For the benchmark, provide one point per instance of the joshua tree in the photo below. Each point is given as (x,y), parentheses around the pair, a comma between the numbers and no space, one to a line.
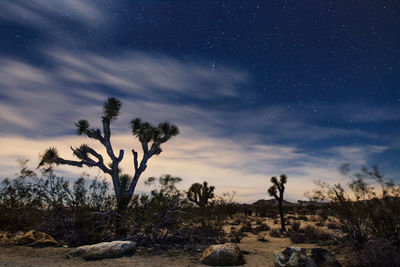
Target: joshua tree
(200,193)
(273,190)
(151,137)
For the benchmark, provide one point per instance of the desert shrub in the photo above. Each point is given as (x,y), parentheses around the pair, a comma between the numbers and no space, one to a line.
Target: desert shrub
(260,228)
(365,213)
(245,227)
(261,236)
(235,236)
(274,233)
(315,218)
(314,235)
(302,218)
(376,252)
(48,203)
(368,217)
(297,238)
(332,225)
(295,227)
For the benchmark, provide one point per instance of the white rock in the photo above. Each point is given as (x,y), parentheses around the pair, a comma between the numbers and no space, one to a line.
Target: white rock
(105,250)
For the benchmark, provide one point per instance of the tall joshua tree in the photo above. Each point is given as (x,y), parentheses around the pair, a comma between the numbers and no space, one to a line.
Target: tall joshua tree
(279,186)
(151,137)
(200,193)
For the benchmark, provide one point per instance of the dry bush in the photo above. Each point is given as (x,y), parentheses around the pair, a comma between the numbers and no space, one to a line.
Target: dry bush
(274,233)
(314,235)
(302,218)
(295,227)
(235,236)
(260,228)
(332,226)
(366,216)
(297,238)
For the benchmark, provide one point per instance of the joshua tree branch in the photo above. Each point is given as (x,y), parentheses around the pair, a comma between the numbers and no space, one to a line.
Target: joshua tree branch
(135,160)
(88,161)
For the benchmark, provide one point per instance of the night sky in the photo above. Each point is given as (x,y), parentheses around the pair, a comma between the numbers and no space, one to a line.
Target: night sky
(257,88)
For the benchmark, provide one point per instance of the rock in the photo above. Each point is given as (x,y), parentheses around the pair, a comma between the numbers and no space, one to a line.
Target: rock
(301,257)
(105,250)
(35,238)
(223,255)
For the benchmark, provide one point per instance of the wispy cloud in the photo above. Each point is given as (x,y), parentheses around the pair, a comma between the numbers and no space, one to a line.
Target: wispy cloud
(230,166)
(43,14)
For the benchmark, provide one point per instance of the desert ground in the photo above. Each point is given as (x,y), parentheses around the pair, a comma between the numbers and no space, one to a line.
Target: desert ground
(256,253)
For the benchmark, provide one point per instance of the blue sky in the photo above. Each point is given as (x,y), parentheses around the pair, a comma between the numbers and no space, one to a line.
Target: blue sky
(258,88)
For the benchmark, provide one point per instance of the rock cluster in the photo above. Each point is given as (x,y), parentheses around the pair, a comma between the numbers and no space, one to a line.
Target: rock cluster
(301,257)
(222,255)
(105,250)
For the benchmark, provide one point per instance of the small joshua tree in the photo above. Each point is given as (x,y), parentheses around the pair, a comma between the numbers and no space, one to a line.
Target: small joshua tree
(200,194)
(151,137)
(279,186)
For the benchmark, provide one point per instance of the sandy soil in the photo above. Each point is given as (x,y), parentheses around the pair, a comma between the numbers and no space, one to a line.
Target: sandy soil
(256,254)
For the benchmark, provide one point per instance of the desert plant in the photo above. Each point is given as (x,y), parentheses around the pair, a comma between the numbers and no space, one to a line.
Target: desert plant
(151,137)
(274,233)
(297,238)
(262,237)
(295,226)
(235,236)
(200,193)
(314,235)
(332,225)
(279,186)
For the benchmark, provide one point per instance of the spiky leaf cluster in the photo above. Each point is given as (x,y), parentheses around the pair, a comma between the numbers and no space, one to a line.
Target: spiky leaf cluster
(111,108)
(49,156)
(277,185)
(83,126)
(81,152)
(146,132)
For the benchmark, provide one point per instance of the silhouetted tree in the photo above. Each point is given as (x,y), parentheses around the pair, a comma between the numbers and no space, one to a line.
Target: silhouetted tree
(151,137)
(200,193)
(279,186)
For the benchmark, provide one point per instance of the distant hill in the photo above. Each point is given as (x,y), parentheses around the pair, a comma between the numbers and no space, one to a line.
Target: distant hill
(273,202)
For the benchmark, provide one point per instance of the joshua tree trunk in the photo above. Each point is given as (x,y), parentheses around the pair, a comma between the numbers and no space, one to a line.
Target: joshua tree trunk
(283,227)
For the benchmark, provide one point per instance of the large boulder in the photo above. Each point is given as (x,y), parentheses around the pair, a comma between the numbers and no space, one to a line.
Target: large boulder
(301,257)
(222,255)
(105,250)
(36,238)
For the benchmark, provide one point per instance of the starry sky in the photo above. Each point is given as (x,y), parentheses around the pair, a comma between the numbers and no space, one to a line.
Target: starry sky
(257,88)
